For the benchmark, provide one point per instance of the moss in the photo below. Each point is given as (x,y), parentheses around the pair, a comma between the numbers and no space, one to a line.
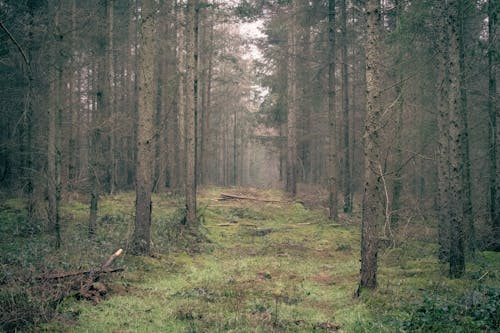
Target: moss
(299,276)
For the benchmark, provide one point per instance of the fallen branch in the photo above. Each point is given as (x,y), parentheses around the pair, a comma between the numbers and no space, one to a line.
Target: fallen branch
(224,197)
(56,276)
(104,269)
(86,289)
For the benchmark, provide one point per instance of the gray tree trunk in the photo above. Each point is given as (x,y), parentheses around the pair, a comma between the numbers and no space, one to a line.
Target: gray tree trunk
(291,169)
(53,135)
(345,112)
(372,168)
(442,88)
(493,133)
(332,118)
(455,140)
(141,238)
(191,218)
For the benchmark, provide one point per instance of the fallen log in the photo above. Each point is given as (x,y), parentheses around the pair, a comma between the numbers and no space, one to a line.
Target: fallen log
(224,196)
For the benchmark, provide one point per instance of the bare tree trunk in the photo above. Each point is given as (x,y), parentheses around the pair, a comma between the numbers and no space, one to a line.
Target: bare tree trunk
(442,149)
(208,99)
(455,140)
(346,118)
(372,177)
(493,133)
(141,239)
(111,97)
(53,136)
(468,218)
(181,102)
(332,118)
(291,168)
(191,217)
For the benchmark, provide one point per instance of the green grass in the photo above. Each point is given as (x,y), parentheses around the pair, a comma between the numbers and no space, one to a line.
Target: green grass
(263,267)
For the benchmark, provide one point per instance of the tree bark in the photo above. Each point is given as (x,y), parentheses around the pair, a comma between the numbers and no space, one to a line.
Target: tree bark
(346,117)
(332,117)
(467,203)
(371,209)
(443,145)
(181,99)
(53,136)
(291,168)
(455,140)
(141,238)
(110,102)
(493,132)
(191,218)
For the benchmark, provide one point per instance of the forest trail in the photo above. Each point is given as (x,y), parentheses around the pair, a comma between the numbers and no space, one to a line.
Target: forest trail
(269,265)
(264,263)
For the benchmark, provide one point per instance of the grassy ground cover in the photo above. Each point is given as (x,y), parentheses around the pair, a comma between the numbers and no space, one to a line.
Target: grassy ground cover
(256,267)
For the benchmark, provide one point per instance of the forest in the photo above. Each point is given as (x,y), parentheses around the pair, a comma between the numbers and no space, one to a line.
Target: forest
(249,166)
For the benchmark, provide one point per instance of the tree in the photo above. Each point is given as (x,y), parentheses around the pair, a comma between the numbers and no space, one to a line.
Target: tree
(493,132)
(455,142)
(141,239)
(442,121)
(371,143)
(191,218)
(55,119)
(291,168)
(345,111)
(332,116)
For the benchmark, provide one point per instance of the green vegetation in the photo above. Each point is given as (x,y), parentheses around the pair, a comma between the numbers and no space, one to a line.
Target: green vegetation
(255,267)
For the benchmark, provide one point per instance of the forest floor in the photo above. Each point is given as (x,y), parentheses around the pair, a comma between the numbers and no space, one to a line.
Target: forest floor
(256,266)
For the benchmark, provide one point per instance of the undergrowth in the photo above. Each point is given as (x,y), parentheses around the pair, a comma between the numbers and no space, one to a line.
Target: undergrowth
(252,267)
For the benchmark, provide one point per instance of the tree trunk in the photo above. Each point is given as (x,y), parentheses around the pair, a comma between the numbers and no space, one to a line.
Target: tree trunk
(141,239)
(397,185)
(191,218)
(110,102)
(371,209)
(467,203)
(493,133)
(332,118)
(53,136)
(291,168)
(346,118)
(455,140)
(442,148)
(181,100)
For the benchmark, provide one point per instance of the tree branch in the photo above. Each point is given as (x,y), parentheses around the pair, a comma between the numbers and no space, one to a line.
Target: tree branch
(25,58)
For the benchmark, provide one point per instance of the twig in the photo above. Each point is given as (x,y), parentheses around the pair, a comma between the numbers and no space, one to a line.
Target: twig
(482,276)
(387,224)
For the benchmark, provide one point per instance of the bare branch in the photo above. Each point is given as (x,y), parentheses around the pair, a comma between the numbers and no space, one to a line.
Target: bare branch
(25,58)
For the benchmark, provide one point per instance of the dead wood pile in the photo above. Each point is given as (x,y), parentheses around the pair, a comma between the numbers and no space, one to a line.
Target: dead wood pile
(84,284)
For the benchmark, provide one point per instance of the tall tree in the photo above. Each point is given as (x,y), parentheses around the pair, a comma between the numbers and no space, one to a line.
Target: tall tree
(291,169)
(442,88)
(372,167)
(455,142)
(141,239)
(332,116)
(493,132)
(54,128)
(345,111)
(191,218)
